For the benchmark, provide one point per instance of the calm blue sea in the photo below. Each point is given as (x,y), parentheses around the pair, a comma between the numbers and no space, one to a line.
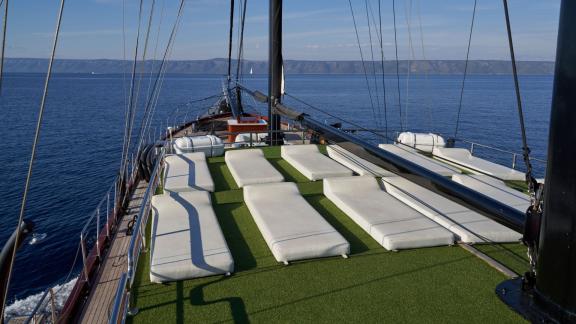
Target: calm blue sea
(80,145)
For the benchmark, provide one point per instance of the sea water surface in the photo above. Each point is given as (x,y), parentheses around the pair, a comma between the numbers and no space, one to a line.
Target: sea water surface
(82,133)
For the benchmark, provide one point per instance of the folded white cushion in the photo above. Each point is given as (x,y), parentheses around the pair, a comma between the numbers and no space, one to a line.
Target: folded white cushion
(311,163)
(468,225)
(413,156)
(495,189)
(355,163)
(187,241)
(187,172)
(292,228)
(251,167)
(464,158)
(389,221)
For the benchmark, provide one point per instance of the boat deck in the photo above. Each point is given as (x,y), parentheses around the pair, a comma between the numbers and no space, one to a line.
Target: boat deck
(102,294)
(441,284)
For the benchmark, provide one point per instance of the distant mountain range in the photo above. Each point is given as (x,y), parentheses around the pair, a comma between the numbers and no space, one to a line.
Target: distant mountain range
(219,66)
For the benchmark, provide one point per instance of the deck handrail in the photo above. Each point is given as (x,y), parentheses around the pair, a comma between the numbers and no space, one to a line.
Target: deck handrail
(142,218)
(96,213)
(493,148)
(137,243)
(119,311)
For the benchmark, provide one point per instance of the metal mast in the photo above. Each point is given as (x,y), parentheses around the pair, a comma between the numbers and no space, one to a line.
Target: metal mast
(275,71)
(552,295)
(556,269)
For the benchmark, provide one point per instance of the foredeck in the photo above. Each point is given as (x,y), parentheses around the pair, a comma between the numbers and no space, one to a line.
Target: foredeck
(443,284)
(102,293)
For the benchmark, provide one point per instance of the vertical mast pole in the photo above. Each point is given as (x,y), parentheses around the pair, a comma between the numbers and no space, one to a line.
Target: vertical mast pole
(556,267)
(230,36)
(275,70)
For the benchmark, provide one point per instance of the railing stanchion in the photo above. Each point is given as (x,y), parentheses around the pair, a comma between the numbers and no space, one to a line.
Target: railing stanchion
(108,215)
(472,148)
(514,161)
(84,255)
(98,232)
(115,200)
(52,305)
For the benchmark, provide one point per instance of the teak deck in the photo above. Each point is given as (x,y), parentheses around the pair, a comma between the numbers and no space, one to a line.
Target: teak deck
(102,294)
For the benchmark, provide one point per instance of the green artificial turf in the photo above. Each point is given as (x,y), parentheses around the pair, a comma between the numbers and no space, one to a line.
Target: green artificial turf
(433,285)
(512,255)
(519,185)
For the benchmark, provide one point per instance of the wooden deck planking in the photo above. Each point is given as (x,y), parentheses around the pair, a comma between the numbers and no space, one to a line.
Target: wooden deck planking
(115,263)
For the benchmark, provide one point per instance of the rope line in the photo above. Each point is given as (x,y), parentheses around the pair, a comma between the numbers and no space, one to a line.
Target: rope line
(465,69)
(33,153)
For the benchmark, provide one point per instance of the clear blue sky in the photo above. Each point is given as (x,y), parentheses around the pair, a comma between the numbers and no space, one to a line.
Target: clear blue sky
(313,29)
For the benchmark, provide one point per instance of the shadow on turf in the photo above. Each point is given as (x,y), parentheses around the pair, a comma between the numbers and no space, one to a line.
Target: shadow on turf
(241,253)
(221,181)
(356,244)
(289,172)
(237,306)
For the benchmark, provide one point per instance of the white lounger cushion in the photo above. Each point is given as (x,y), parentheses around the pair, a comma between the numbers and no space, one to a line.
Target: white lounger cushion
(412,155)
(464,158)
(186,238)
(495,189)
(311,163)
(468,225)
(187,172)
(292,228)
(355,163)
(389,221)
(251,167)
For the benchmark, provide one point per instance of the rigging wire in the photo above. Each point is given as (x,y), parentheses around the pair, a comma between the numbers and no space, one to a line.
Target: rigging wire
(146,114)
(360,127)
(378,120)
(4,28)
(525,149)
(408,18)
(378,30)
(142,70)
(160,77)
(131,98)
(124,71)
(397,64)
(33,153)
(465,69)
(383,69)
(432,126)
(534,189)
(362,58)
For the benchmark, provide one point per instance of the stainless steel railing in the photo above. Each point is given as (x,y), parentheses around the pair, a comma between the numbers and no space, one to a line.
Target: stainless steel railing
(514,155)
(121,306)
(90,234)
